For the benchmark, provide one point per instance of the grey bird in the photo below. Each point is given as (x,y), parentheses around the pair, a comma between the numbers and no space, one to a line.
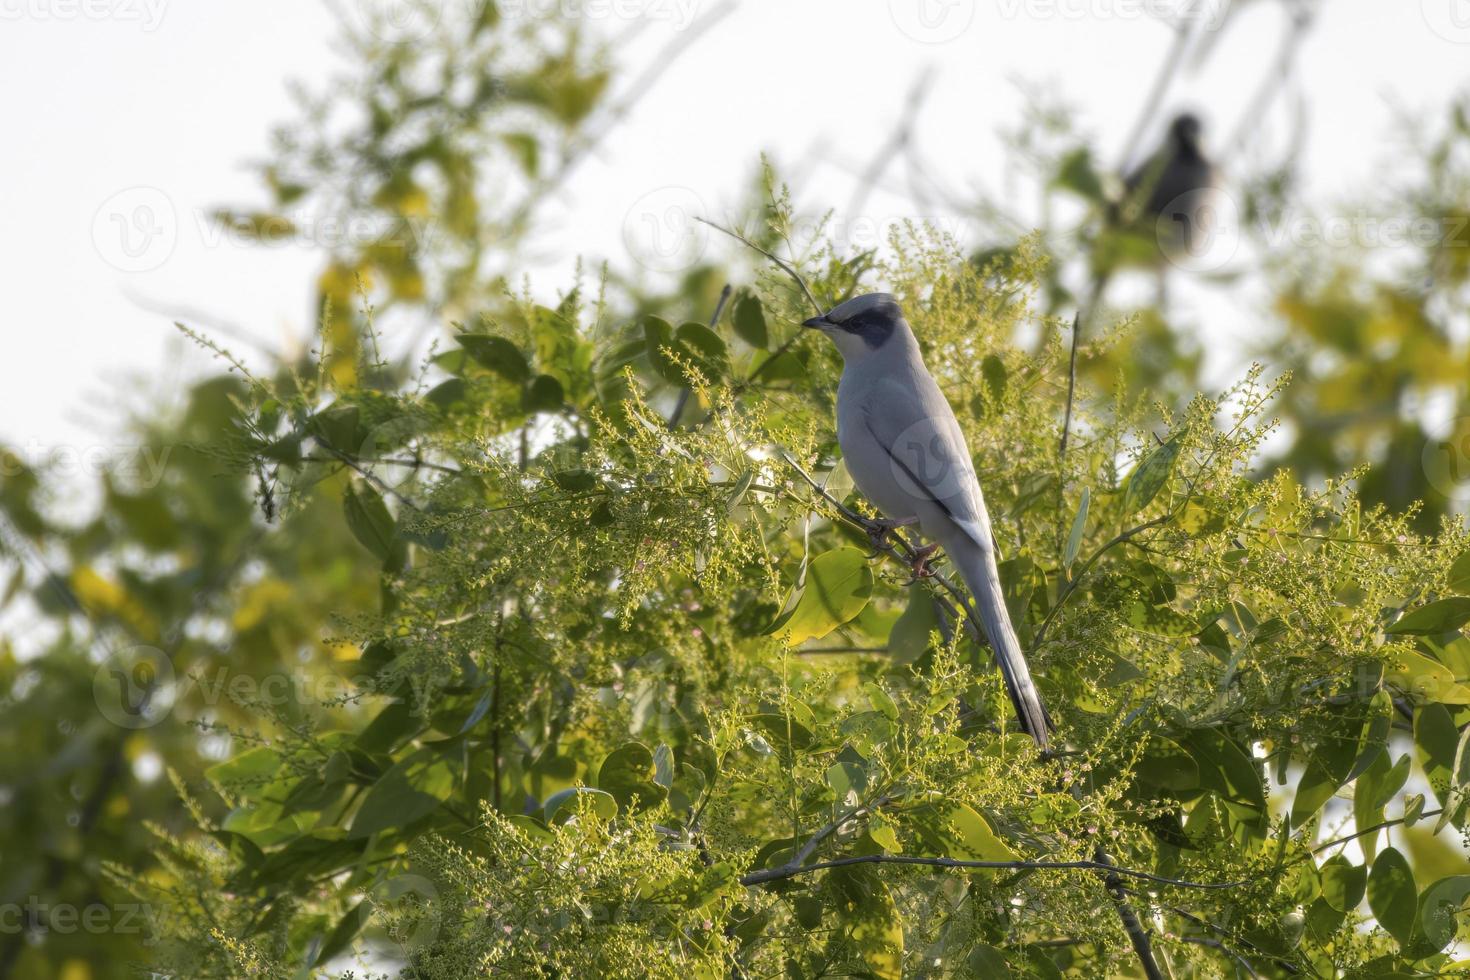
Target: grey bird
(907,455)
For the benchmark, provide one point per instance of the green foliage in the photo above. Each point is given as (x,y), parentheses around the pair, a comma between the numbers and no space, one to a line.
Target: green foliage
(593,684)
(585,716)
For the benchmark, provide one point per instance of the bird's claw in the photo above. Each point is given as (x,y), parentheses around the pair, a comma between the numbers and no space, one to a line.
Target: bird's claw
(919,563)
(879,528)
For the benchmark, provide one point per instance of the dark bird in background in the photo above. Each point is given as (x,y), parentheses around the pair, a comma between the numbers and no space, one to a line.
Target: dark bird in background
(1172,190)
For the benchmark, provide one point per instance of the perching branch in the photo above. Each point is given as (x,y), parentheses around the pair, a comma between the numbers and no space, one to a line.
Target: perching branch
(896,544)
(790,870)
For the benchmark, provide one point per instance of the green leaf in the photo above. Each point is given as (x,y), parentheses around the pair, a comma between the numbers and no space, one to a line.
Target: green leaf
(909,637)
(1437,617)
(448,395)
(870,920)
(346,930)
(1076,173)
(1316,787)
(993,371)
(955,830)
(369,520)
(1343,883)
(339,427)
(1440,910)
(986,961)
(543,394)
(1150,477)
(1457,797)
(603,803)
(1437,740)
(658,340)
(838,585)
(750,323)
(704,347)
(497,354)
(255,766)
(1079,525)
(413,788)
(1425,679)
(1167,765)
(1459,577)
(663,766)
(629,775)
(1392,894)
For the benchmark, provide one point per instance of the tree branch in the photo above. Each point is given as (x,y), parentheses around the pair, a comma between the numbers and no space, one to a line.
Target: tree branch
(1137,935)
(790,870)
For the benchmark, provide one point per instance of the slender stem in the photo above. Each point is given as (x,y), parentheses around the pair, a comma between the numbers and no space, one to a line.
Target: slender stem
(785,266)
(1370,830)
(1071,392)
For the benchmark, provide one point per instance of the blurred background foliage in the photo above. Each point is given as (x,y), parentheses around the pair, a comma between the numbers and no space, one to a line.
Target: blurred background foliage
(242,560)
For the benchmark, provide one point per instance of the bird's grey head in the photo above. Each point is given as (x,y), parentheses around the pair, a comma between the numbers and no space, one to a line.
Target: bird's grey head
(862,325)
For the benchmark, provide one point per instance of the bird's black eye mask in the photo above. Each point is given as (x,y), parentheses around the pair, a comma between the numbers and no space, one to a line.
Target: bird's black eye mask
(874,326)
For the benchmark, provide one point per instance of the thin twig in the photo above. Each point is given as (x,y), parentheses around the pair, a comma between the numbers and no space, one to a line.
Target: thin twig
(1368,830)
(1071,391)
(785,266)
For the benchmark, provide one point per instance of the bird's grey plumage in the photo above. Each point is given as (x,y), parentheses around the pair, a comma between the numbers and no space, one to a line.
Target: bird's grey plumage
(907,454)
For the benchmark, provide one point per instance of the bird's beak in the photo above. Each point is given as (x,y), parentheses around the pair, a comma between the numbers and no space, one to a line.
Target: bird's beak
(819,322)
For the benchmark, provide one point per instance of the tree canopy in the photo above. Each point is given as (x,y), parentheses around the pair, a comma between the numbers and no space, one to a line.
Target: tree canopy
(560,651)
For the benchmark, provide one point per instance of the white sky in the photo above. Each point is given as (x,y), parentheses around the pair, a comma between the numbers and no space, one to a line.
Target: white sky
(102,96)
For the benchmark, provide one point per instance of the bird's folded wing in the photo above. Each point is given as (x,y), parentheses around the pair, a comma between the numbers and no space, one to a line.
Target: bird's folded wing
(917,429)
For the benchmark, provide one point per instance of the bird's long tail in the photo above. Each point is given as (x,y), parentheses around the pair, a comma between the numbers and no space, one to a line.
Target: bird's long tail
(977,565)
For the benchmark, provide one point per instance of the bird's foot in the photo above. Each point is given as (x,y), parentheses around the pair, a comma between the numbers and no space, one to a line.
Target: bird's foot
(879,528)
(919,563)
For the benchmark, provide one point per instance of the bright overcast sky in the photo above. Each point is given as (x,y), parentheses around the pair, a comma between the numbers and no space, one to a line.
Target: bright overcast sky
(104,97)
